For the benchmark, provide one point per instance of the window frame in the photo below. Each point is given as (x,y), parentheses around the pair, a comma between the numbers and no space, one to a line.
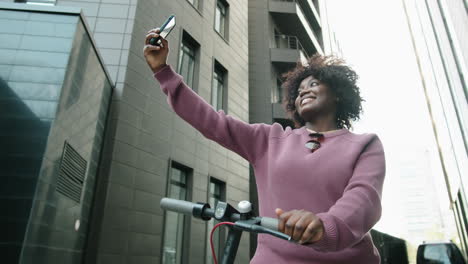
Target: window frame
(224,35)
(277,92)
(198,7)
(217,66)
(222,232)
(187,37)
(186,220)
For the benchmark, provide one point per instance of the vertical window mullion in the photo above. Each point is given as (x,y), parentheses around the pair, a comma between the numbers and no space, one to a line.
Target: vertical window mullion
(216,193)
(218,91)
(174,222)
(188,60)
(187,63)
(222,18)
(214,95)
(181,58)
(220,94)
(190,69)
(217,19)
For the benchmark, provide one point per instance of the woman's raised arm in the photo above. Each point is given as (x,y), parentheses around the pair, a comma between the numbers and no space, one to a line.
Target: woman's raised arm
(247,140)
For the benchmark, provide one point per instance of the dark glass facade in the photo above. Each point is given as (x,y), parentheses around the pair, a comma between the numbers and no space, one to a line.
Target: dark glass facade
(53,90)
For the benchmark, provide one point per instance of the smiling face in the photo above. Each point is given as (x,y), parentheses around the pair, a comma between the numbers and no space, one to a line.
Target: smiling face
(314,99)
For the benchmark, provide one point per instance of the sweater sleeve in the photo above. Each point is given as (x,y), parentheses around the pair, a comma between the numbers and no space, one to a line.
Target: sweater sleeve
(247,140)
(359,209)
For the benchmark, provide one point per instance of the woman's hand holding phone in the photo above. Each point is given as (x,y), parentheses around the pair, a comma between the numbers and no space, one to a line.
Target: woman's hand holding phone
(156,56)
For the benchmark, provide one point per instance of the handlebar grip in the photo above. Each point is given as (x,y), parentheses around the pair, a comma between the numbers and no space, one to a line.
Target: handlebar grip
(270,223)
(179,206)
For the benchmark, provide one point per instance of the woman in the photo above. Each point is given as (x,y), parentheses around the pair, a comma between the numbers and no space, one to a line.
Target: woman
(323,182)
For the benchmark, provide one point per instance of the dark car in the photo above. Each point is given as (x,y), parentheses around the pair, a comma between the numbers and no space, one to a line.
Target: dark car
(439,253)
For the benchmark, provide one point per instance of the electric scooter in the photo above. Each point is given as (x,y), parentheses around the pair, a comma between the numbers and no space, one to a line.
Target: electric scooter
(237,220)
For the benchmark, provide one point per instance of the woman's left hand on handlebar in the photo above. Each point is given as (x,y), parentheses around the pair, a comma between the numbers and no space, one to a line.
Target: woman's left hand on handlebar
(303,226)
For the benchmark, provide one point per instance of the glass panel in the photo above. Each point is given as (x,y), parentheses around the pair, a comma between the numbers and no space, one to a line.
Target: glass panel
(215,195)
(190,70)
(276,92)
(31,78)
(222,21)
(173,238)
(279,94)
(178,175)
(214,91)
(44,59)
(174,222)
(181,58)
(217,90)
(217,191)
(218,19)
(212,189)
(220,104)
(187,63)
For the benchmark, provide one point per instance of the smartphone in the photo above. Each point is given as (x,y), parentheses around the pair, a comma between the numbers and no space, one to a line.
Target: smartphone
(165,29)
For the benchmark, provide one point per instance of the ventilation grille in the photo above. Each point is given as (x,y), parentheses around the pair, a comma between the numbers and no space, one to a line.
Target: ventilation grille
(71,173)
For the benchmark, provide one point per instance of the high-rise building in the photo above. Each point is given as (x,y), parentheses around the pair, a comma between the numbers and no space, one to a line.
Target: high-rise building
(417,196)
(54,100)
(231,53)
(439,34)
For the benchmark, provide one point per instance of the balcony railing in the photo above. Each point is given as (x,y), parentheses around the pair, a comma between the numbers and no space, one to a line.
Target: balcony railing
(289,42)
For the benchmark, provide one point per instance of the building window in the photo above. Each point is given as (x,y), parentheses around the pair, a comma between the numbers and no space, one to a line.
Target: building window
(194,3)
(221,15)
(219,89)
(175,224)
(188,59)
(187,63)
(276,92)
(216,193)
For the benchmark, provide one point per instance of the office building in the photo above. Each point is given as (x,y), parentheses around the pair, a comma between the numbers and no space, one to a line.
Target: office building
(54,95)
(439,34)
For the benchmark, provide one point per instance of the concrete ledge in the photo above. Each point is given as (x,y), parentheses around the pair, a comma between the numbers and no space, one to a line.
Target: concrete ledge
(282,7)
(284,55)
(41,8)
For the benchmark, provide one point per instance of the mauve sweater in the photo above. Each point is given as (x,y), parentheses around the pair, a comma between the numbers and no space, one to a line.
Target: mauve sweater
(341,182)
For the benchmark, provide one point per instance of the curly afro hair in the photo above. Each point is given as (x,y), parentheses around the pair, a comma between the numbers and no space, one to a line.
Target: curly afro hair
(333,72)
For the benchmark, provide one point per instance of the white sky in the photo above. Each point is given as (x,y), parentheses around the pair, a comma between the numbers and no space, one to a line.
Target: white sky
(375,40)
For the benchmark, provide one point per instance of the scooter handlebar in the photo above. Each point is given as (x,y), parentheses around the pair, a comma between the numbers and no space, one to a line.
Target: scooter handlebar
(178,206)
(187,208)
(270,223)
